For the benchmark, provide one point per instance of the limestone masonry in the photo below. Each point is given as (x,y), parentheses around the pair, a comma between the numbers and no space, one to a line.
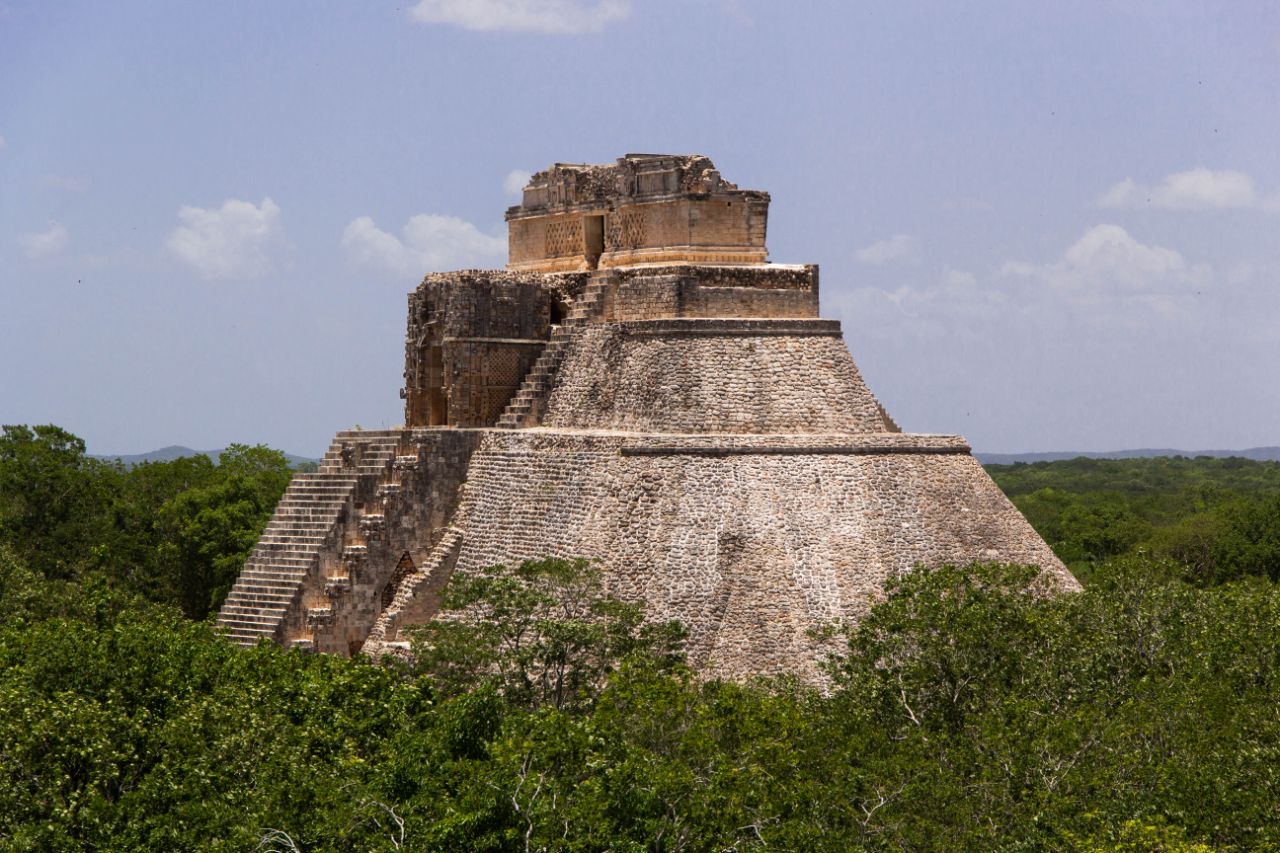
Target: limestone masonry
(638,386)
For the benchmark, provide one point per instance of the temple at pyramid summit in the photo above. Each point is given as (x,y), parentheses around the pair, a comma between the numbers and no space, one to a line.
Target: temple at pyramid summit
(642,387)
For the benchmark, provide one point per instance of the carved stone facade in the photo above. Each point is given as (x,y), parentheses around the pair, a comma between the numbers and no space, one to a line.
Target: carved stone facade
(638,387)
(645,208)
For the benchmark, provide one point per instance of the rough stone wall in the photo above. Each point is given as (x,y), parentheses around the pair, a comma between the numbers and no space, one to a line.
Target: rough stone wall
(802,277)
(401,514)
(750,541)
(772,291)
(700,376)
(471,338)
(647,208)
(689,422)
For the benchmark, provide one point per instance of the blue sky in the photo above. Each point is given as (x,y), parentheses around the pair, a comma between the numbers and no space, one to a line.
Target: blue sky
(1043,228)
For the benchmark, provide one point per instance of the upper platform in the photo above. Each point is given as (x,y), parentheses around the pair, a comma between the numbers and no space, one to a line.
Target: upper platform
(643,209)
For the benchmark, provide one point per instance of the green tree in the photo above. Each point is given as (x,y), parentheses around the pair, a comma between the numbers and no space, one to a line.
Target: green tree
(542,634)
(208,531)
(53,498)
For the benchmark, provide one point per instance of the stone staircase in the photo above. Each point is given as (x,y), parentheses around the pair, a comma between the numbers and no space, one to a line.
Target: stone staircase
(313,520)
(527,406)
(890,425)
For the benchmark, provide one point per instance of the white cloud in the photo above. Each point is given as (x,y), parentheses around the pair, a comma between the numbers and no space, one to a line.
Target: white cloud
(233,241)
(46,243)
(1108,256)
(897,247)
(532,16)
(2,143)
(430,242)
(516,181)
(955,293)
(1105,281)
(1194,189)
(1108,269)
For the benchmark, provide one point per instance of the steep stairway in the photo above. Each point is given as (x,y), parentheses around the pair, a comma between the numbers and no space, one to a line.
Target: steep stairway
(311,519)
(527,406)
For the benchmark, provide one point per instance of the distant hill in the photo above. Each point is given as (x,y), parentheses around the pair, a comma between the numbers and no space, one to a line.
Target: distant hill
(177,451)
(1259,454)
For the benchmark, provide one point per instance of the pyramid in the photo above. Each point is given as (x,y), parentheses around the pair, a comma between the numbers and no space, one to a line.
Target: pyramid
(641,387)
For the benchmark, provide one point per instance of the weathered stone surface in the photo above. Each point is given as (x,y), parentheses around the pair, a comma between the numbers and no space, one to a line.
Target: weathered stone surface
(686,420)
(643,209)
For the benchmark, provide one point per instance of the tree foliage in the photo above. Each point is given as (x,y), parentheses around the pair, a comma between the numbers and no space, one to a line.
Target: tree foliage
(964,712)
(1215,518)
(174,532)
(544,634)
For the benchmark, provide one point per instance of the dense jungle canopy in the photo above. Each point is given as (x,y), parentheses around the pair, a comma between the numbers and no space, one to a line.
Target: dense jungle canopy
(963,713)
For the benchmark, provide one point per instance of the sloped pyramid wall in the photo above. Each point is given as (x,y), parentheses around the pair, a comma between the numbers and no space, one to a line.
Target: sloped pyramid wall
(674,408)
(735,474)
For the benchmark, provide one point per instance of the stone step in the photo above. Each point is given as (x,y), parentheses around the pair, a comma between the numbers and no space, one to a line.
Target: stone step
(259,601)
(268,583)
(296,541)
(247,639)
(303,513)
(265,587)
(259,565)
(269,571)
(236,608)
(253,616)
(283,564)
(308,511)
(317,499)
(289,528)
(249,630)
(259,598)
(265,575)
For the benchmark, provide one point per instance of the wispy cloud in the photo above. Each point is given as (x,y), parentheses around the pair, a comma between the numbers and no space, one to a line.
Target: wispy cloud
(430,242)
(560,17)
(1105,279)
(516,181)
(1108,265)
(899,247)
(2,142)
(233,241)
(1193,189)
(46,243)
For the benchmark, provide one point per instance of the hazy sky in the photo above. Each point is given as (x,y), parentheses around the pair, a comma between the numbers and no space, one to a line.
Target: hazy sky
(1041,229)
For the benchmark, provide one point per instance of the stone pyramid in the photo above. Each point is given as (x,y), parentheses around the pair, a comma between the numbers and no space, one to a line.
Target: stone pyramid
(641,387)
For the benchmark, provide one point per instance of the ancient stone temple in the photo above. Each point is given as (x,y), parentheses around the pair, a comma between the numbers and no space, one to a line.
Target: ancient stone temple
(641,387)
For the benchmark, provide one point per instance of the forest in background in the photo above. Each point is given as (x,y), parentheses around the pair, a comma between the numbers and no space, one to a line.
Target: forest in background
(963,713)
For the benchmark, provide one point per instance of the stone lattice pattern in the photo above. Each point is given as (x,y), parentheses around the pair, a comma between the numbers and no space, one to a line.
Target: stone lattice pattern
(694,426)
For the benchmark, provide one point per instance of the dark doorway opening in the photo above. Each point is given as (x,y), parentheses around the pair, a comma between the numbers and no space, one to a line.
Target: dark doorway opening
(558,312)
(593,238)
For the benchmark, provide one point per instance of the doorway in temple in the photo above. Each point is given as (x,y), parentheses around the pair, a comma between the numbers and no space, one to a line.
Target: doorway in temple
(593,238)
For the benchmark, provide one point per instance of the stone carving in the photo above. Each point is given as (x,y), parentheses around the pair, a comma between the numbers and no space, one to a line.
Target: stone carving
(664,401)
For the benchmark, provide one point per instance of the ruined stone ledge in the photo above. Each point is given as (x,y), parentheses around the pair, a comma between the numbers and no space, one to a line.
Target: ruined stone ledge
(647,443)
(692,254)
(524,342)
(603,203)
(720,327)
(788,450)
(756,276)
(818,443)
